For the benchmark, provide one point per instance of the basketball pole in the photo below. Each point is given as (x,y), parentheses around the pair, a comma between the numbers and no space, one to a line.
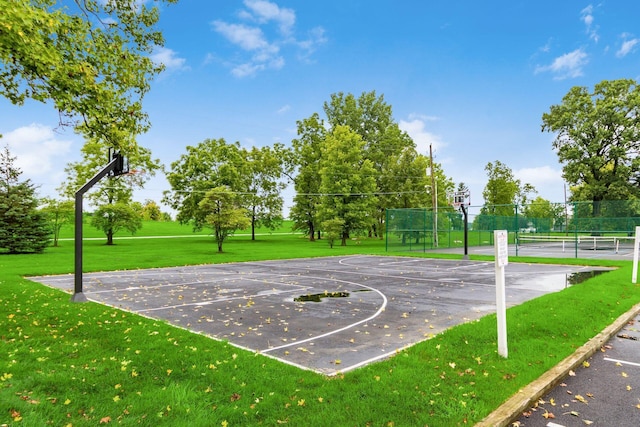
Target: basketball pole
(116,162)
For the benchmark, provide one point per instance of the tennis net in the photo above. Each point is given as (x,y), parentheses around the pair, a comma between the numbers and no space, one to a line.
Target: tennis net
(572,242)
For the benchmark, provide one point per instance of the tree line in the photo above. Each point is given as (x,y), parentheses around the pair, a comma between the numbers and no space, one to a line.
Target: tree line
(91,61)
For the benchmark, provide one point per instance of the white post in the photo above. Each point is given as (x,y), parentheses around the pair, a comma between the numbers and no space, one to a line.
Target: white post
(501,244)
(636,245)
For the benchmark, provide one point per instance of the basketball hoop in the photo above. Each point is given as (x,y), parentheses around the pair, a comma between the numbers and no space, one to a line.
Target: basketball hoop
(136,172)
(460,199)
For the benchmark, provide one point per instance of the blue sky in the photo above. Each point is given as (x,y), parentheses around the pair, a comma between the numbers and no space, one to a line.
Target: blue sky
(471,78)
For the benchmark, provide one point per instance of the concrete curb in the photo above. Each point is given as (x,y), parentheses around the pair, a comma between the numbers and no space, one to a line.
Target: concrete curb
(527,396)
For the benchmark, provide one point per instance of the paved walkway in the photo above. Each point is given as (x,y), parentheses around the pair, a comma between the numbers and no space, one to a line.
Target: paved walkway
(604,391)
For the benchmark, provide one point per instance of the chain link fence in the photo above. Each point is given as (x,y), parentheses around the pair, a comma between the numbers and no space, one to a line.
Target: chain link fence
(545,227)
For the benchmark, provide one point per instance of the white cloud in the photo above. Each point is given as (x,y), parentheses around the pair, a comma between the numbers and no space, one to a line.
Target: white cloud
(257,36)
(247,38)
(586,16)
(415,128)
(284,109)
(627,46)
(37,149)
(168,58)
(265,11)
(568,65)
(547,181)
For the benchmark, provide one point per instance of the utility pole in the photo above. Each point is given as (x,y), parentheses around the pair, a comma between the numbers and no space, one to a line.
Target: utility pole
(434,199)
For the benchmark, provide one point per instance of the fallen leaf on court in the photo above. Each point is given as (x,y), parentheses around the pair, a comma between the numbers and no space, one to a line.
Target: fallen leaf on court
(628,388)
(624,374)
(571,373)
(516,424)
(548,415)
(590,395)
(587,422)
(552,401)
(586,364)
(581,399)
(574,413)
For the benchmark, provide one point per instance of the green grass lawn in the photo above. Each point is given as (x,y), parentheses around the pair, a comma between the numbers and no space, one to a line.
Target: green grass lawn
(85,364)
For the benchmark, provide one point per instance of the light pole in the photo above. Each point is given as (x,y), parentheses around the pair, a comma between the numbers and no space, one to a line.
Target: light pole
(434,197)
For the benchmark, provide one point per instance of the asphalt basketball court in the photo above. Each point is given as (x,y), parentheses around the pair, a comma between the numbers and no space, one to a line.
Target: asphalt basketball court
(329,314)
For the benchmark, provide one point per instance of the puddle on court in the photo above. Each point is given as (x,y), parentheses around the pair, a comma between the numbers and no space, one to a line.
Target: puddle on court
(557,282)
(319,297)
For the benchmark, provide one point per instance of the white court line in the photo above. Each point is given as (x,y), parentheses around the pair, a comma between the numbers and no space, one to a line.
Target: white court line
(624,362)
(344,328)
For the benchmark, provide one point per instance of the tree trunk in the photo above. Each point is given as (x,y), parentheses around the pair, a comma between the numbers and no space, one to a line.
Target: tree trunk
(110,237)
(312,232)
(253,224)
(345,235)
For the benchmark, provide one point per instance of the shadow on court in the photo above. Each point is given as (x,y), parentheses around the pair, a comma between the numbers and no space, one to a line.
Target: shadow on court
(329,314)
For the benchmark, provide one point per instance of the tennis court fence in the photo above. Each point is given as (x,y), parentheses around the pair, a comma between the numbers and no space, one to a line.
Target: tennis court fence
(536,229)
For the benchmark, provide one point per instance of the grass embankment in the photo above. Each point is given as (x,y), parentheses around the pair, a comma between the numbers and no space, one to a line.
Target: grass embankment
(84,364)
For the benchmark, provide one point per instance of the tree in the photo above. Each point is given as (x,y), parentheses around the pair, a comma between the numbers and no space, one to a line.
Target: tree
(503,191)
(89,58)
(111,218)
(542,214)
(598,138)
(371,117)
(58,213)
(307,153)
(347,183)
(151,211)
(264,180)
(115,190)
(23,229)
(210,164)
(222,213)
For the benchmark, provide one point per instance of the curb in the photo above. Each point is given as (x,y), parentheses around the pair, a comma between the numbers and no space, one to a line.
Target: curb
(525,397)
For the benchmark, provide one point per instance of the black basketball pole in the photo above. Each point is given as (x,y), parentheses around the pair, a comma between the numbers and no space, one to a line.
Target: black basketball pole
(78,296)
(466,232)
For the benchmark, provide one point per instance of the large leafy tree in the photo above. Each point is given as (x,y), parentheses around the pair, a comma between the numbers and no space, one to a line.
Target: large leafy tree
(108,193)
(210,164)
(307,153)
(223,213)
(371,117)
(58,213)
(264,176)
(503,192)
(89,58)
(598,139)
(113,217)
(23,229)
(347,183)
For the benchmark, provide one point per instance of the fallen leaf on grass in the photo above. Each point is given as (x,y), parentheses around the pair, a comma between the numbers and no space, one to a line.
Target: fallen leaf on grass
(105,420)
